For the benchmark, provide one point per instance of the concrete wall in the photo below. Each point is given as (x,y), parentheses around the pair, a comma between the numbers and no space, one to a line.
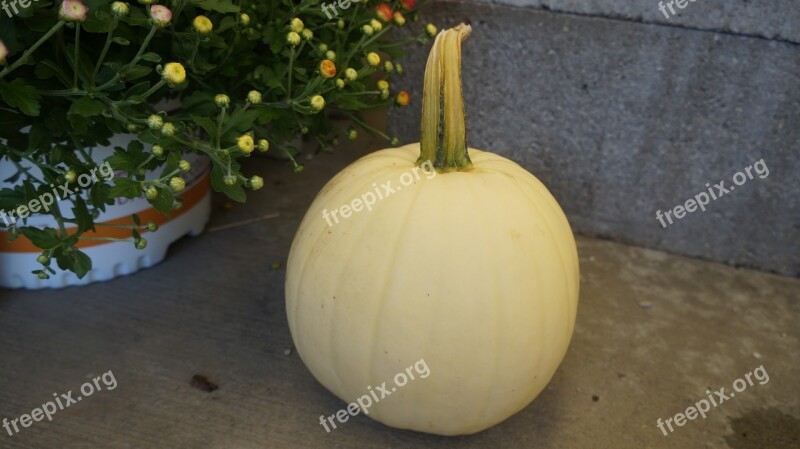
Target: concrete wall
(622,113)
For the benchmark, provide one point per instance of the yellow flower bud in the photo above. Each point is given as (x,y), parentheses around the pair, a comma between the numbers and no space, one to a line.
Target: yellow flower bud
(184,165)
(254,97)
(256,182)
(367,30)
(350,74)
(292,38)
(202,24)
(317,103)
(382,84)
(155,122)
(263,145)
(399,19)
(168,129)
(174,73)
(373,59)
(296,25)
(431,30)
(151,193)
(120,9)
(388,67)
(376,26)
(330,54)
(307,34)
(339,83)
(245,143)
(177,184)
(244,19)
(222,100)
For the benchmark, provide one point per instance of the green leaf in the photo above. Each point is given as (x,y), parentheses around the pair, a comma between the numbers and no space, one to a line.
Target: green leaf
(200,103)
(39,137)
(234,192)
(266,115)
(136,71)
(128,160)
(151,57)
(136,219)
(87,107)
(208,124)
(240,121)
(82,263)
(138,89)
(97,21)
(83,217)
(79,122)
(121,41)
(100,195)
(47,69)
(163,201)
(217,5)
(43,238)
(20,95)
(126,188)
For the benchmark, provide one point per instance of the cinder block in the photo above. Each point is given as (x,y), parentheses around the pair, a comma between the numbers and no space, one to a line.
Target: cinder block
(772,19)
(622,119)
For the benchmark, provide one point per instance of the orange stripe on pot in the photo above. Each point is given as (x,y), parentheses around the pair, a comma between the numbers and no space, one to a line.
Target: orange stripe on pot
(189,199)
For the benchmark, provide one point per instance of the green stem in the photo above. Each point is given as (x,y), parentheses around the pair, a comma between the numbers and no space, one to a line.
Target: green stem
(292,55)
(103,53)
(133,62)
(152,90)
(75,60)
(24,58)
(108,239)
(444,135)
(63,93)
(368,128)
(194,51)
(219,127)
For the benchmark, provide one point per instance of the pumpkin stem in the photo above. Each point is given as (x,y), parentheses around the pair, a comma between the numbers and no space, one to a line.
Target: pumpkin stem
(444,132)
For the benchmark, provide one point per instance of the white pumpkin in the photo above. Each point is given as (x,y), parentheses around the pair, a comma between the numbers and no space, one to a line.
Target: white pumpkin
(475,272)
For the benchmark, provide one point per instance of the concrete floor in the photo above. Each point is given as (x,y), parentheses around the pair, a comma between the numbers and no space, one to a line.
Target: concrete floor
(654,332)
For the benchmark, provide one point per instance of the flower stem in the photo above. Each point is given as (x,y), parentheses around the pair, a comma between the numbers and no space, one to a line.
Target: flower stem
(444,135)
(155,87)
(29,51)
(133,62)
(75,60)
(103,53)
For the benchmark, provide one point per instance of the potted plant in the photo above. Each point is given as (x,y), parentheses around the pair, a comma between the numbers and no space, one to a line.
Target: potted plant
(104,103)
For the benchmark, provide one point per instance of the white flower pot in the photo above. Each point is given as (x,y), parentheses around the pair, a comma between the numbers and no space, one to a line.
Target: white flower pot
(110,259)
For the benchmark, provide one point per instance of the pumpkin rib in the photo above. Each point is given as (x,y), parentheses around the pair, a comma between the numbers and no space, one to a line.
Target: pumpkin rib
(323,235)
(387,170)
(504,176)
(544,196)
(492,307)
(347,185)
(398,241)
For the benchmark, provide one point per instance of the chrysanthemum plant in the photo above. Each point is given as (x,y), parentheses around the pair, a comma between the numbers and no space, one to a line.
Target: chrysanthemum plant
(247,76)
